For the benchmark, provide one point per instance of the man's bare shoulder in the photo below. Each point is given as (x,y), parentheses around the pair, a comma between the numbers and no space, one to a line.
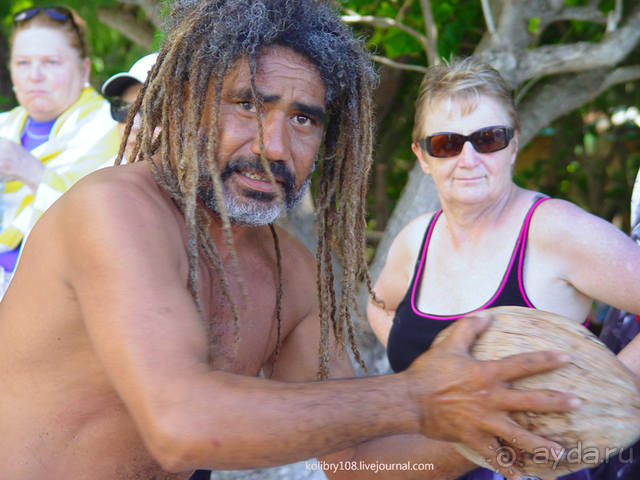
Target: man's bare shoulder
(131,185)
(122,197)
(113,213)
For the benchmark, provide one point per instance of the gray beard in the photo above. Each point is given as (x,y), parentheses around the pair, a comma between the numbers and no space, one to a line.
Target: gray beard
(252,211)
(252,208)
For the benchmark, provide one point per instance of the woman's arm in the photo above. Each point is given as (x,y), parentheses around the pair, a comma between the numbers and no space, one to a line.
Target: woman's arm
(394,279)
(574,257)
(16,163)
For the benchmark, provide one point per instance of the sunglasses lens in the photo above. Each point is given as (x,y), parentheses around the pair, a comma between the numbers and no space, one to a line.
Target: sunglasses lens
(24,15)
(120,111)
(445,145)
(490,139)
(485,140)
(57,13)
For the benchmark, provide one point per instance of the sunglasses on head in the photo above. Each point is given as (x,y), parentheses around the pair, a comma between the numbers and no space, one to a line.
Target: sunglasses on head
(59,14)
(120,110)
(485,140)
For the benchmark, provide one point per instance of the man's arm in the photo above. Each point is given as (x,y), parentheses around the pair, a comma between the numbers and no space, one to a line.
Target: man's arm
(427,458)
(130,283)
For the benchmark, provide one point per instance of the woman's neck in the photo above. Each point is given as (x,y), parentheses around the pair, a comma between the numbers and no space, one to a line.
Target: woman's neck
(464,221)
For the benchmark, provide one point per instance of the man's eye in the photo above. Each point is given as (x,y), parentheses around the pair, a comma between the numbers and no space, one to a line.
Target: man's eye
(303,120)
(247,106)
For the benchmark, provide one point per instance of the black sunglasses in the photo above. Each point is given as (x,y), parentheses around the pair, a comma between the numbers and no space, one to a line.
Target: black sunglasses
(485,140)
(120,110)
(59,14)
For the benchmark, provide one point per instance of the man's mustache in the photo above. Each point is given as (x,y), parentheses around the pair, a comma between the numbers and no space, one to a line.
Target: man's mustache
(280,171)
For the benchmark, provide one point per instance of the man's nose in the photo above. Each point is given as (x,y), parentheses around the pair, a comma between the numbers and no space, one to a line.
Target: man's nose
(275,139)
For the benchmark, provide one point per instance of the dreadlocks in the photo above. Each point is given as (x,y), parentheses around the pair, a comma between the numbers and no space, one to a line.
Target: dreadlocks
(204,40)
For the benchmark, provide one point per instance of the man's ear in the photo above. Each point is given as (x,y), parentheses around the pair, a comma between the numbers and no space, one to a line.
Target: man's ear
(418,152)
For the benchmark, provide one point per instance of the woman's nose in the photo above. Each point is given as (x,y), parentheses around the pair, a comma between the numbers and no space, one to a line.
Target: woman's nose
(35,71)
(468,157)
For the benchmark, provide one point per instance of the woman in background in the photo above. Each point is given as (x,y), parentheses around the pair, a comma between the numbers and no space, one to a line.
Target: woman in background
(492,243)
(60,131)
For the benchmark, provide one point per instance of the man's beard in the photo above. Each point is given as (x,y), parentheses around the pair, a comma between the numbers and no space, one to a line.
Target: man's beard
(252,207)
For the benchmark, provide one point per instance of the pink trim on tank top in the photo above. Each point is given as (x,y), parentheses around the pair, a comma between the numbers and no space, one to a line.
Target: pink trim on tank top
(525,232)
(520,245)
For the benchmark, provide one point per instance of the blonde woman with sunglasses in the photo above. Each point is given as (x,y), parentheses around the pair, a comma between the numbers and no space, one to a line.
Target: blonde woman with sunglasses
(60,131)
(492,243)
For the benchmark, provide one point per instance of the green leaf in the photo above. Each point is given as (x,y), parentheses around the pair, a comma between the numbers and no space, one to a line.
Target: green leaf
(534,26)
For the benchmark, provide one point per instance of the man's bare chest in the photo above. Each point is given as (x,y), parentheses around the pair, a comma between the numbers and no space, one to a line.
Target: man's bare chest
(244,323)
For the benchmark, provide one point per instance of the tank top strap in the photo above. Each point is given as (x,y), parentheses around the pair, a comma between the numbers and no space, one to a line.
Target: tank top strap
(422,253)
(522,245)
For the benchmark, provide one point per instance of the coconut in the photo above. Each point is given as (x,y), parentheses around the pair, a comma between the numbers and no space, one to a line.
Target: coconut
(607,421)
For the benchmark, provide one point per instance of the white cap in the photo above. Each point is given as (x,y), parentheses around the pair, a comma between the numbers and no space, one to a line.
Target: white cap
(138,72)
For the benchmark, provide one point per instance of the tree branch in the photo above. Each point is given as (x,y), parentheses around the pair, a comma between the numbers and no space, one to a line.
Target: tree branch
(614,17)
(151,8)
(128,25)
(486,10)
(580,56)
(585,14)
(384,22)
(565,93)
(402,11)
(431,41)
(401,66)
(511,34)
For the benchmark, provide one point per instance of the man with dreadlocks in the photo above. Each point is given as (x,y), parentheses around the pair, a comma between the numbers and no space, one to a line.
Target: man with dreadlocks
(151,296)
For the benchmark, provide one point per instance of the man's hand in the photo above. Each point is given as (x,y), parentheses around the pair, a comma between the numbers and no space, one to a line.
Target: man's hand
(466,400)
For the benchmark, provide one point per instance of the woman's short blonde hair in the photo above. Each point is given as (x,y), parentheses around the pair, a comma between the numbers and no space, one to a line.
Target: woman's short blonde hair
(463,81)
(77,37)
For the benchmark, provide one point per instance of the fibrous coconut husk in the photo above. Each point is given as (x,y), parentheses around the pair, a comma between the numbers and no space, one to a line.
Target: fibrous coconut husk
(607,421)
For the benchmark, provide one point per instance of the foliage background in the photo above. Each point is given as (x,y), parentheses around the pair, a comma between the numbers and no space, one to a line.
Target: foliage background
(573,158)
(576,157)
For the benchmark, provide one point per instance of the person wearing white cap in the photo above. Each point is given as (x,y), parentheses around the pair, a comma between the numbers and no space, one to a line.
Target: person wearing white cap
(122,90)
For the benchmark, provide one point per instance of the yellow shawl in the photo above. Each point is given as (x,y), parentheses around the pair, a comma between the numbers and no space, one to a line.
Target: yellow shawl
(83,139)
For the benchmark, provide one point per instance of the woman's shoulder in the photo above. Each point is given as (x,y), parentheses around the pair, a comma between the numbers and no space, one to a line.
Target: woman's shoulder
(556,220)
(407,242)
(558,210)
(418,226)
